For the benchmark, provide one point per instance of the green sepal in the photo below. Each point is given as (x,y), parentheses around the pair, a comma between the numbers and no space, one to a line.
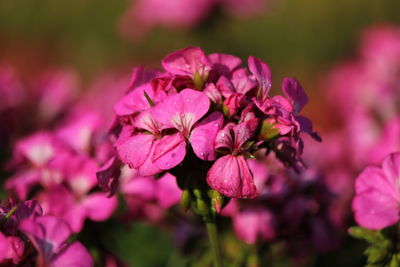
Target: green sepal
(198,81)
(185,200)
(376,254)
(370,236)
(151,103)
(268,130)
(217,201)
(394,262)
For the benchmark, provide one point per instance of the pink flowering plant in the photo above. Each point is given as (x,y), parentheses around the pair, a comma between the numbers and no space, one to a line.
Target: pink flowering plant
(376,210)
(205,119)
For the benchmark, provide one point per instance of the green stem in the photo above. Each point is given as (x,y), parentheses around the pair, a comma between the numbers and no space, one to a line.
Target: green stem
(11,212)
(215,246)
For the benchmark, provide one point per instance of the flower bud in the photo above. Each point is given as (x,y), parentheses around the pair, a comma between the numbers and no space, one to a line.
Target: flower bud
(185,200)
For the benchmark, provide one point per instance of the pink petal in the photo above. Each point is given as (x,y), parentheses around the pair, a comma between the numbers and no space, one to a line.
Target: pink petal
(108,175)
(187,61)
(17,248)
(169,151)
(242,81)
(141,187)
(4,247)
(183,110)
(47,234)
(37,148)
(295,92)
(146,122)
(262,73)
(391,169)
(142,75)
(307,127)
(376,204)
(61,203)
(78,132)
(74,254)
(27,209)
(230,175)
(81,174)
(213,93)
(254,223)
(203,136)
(243,132)
(224,138)
(224,64)
(99,207)
(260,173)
(135,150)
(167,193)
(21,183)
(134,101)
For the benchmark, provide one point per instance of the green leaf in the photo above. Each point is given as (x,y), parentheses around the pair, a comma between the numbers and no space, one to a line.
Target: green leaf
(370,236)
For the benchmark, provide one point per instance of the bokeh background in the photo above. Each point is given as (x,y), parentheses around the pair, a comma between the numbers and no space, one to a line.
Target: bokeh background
(299,38)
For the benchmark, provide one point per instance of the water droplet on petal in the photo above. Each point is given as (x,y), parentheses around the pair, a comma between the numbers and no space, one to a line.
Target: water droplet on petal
(216,125)
(223,134)
(173,155)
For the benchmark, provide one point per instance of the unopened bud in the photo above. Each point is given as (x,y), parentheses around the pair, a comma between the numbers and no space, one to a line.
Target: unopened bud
(185,200)
(217,201)
(268,130)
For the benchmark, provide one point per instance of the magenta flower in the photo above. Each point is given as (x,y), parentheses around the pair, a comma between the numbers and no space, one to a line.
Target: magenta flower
(162,152)
(74,203)
(230,174)
(254,223)
(49,236)
(376,203)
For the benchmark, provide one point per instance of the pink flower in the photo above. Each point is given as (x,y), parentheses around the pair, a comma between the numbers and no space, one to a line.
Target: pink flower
(230,174)
(254,223)
(74,203)
(143,15)
(376,203)
(49,236)
(181,112)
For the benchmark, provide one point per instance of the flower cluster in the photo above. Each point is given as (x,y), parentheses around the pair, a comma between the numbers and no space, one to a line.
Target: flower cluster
(208,114)
(365,92)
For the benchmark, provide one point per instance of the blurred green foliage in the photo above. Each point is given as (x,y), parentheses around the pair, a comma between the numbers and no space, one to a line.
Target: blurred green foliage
(296,37)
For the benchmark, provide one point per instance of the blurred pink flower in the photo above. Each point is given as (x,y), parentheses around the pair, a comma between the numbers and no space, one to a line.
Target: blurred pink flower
(49,235)
(376,203)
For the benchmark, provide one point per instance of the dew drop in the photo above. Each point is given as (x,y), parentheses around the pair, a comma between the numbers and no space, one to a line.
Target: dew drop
(167,164)
(223,134)
(173,155)
(216,125)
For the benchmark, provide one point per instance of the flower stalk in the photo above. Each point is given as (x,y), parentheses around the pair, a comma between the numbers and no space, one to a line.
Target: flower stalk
(212,232)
